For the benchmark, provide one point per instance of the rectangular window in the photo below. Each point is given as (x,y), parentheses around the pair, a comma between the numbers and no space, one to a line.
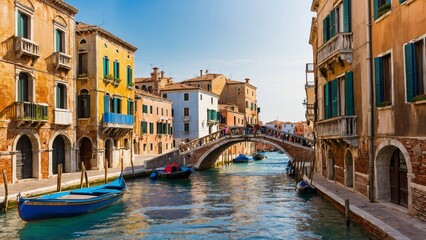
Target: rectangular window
(106,66)
(162,112)
(186,127)
(116,70)
(150,109)
(211,100)
(82,64)
(144,108)
(130,107)
(61,96)
(186,97)
(59,41)
(415,73)
(84,105)
(144,127)
(383,80)
(246,104)
(381,7)
(129,76)
(23,30)
(201,96)
(164,95)
(186,112)
(116,105)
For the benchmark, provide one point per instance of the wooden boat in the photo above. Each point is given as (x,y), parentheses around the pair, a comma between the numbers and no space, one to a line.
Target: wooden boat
(71,203)
(259,155)
(303,187)
(242,159)
(178,173)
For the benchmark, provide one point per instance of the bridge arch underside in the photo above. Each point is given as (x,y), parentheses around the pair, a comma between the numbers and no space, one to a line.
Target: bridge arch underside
(205,157)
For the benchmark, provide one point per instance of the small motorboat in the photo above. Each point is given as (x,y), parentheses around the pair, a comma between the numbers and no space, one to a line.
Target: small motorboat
(259,155)
(71,203)
(242,159)
(172,172)
(303,187)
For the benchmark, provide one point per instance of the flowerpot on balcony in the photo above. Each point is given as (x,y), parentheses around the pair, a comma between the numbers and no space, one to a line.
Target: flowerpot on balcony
(108,78)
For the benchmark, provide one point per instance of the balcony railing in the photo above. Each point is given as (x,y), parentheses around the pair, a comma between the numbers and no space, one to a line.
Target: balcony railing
(63,117)
(31,112)
(339,127)
(186,118)
(62,60)
(341,44)
(117,120)
(26,47)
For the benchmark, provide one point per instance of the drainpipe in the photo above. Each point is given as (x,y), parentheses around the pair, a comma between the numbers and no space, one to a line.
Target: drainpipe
(371,176)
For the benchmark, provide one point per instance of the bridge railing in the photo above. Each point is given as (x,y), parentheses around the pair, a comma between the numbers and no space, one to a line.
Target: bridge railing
(246,131)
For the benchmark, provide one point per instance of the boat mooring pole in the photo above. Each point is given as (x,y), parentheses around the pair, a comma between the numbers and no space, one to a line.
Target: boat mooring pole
(5,202)
(347,211)
(122,164)
(106,171)
(58,183)
(83,170)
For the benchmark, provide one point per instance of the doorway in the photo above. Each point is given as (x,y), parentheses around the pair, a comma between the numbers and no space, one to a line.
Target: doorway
(398,179)
(24,158)
(58,154)
(85,152)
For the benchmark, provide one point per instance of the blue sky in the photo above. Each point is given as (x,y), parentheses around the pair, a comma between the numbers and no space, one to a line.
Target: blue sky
(264,40)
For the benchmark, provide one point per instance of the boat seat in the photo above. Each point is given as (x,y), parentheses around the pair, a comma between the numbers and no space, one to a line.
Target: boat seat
(114,187)
(103,191)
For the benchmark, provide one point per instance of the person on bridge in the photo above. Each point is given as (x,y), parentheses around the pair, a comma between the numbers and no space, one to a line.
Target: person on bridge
(256,129)
(226,130)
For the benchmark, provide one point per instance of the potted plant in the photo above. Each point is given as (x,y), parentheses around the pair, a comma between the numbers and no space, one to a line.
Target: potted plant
(385,104)
(108,78)
(383,9)
(419,98)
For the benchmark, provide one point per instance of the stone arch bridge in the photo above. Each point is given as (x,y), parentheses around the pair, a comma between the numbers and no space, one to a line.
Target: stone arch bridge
(204,152)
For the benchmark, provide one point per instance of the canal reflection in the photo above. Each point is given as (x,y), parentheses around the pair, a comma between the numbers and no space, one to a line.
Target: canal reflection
(239,201)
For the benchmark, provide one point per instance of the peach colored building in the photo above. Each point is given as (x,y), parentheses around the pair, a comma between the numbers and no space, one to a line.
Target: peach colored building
(37,87)
(153,84)
(153,124)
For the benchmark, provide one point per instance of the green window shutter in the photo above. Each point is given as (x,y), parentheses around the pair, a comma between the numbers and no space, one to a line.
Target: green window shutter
(325,29)
(332,25)
(58,96)
(378,79)
(347,15)
(376,7)
(334,100)
(20,90)
(116,105)
(106,103)
(410,78)
(87,108)
(58,41)
(105,67)
(326,101)
(80,106)
(20,21)
(349,93)
(401,1)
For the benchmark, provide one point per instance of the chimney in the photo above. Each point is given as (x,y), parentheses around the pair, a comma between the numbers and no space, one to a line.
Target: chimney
(162,74)
(207,71)
(201,73)
(155,73)
(247,80)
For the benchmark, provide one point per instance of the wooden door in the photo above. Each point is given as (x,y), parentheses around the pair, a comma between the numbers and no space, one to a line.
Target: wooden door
(58,154)
(24,158)
(398,179)
(86,152)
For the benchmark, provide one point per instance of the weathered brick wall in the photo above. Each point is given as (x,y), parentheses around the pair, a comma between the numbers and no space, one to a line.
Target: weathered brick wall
(361,185)
(164,159)
(6,164)
(44,161)
(419,203)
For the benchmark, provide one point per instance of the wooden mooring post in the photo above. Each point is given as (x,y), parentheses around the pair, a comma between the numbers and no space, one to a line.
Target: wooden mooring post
(84,175)
(59,181)
(122,164)
(4,204)
(347,213)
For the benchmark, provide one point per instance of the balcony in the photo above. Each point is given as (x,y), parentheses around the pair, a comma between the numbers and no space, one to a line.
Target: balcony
(62,61)
(343,127)
(31,113)
(26,47)
(186,118)
(339,46)
(116,124)
(63,117)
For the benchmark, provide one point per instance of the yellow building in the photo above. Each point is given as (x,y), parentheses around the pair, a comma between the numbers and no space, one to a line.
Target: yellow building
(154,124)
(37,69)
(105,93)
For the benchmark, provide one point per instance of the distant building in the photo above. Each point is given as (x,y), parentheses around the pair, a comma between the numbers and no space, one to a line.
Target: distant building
(153,124)
(105,97)
(195,111)
(230,116)
(37,88)
(153,84)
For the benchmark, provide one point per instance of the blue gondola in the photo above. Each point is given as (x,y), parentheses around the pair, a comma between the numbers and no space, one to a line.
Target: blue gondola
(242,159)
(303,187)
(71,203)
(179,173)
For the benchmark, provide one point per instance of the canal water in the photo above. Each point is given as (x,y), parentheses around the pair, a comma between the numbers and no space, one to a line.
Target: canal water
(240,201)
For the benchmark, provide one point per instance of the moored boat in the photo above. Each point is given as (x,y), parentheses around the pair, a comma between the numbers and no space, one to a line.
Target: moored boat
(303,187)
(242,159)
(259,155)
(172,172)
(71,203)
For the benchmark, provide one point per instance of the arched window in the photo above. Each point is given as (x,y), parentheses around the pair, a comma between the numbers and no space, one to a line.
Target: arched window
(144,87)
(83,41)
(84,104)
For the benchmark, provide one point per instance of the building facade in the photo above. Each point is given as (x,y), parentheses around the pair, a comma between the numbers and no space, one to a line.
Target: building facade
(153,84)
(369,95)
(195,111)
(153,125)
(37,69)
(105,93)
